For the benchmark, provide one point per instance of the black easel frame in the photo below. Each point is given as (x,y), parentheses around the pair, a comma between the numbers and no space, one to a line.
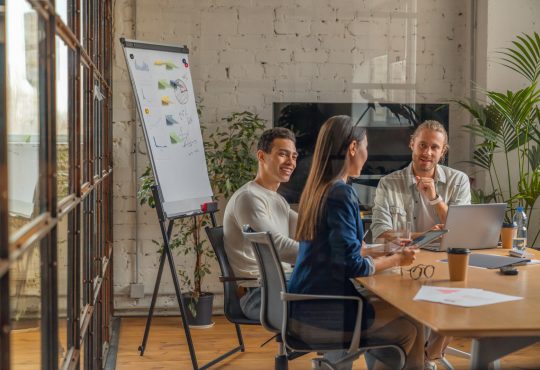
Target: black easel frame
(166,253)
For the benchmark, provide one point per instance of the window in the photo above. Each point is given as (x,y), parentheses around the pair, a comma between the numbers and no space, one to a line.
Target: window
(55,164)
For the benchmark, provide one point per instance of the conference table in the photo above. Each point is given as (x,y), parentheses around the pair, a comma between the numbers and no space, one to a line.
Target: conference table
(496,330)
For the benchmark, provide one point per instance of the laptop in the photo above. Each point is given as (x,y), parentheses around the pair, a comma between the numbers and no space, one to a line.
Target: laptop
(472,226)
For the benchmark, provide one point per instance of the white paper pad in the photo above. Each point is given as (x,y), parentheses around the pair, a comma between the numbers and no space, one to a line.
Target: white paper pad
(464,297)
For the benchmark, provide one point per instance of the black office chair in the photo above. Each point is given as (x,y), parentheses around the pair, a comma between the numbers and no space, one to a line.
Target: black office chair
(296,335)
(231,302)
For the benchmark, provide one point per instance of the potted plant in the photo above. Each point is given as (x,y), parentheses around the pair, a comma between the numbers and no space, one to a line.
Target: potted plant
(230,162)
(507,124)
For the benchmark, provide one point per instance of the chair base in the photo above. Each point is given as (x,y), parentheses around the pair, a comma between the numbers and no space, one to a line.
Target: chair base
(281,362)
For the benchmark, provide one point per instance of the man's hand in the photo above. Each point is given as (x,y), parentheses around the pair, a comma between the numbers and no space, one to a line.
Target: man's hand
(426,186)
(437,227)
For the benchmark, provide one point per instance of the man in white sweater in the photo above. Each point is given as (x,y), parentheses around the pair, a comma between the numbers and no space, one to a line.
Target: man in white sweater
(258,204)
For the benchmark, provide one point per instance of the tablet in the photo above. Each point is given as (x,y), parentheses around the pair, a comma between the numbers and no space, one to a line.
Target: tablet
(427,237)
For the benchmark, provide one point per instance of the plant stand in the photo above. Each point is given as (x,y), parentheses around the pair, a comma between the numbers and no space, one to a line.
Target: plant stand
(167,254)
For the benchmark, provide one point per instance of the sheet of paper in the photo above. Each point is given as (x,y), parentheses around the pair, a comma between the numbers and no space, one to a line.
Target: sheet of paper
(464,297)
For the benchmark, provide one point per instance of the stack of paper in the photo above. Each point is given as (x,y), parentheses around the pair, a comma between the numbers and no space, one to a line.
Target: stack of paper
(465,297)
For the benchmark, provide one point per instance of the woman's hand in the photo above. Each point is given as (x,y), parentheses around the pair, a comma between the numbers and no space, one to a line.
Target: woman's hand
(407,256)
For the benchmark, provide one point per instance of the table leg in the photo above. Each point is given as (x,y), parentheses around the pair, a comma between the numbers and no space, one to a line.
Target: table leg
(484,351)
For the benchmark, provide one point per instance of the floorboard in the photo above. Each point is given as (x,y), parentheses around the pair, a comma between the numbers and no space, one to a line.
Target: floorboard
(167,348)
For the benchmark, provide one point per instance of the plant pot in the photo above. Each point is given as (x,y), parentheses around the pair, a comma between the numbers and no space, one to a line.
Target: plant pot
(508,232)
(203,308)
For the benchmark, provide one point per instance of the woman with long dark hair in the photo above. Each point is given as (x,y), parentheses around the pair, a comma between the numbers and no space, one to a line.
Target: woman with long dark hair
(330,233)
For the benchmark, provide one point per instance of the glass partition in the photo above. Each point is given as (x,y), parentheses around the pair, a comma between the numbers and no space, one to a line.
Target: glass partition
(62,119)
(25,310)
(23,93)
(63,293)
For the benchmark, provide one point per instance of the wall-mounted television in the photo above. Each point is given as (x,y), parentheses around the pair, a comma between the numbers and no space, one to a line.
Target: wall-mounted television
(389,128)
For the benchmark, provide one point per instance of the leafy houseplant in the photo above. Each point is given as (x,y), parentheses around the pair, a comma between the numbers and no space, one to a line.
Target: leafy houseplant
(508,125)
(230,164)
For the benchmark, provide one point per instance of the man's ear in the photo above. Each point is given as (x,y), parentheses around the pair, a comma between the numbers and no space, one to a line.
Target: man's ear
(411,144)
(260,155)
(444,153)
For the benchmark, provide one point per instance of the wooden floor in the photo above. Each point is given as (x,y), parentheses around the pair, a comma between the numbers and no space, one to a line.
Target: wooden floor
(167,348)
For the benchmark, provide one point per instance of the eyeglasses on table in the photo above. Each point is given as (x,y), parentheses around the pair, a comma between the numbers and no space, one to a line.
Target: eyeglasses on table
(417,271)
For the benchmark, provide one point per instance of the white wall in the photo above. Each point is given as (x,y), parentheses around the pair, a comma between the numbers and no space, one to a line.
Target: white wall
(247,54)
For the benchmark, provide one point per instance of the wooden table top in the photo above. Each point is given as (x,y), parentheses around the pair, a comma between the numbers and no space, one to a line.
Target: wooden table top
(516,318)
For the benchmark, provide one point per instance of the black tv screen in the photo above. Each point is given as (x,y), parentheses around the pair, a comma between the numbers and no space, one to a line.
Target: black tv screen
(389,128)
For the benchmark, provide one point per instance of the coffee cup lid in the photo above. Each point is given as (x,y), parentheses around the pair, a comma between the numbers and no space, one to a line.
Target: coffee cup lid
(459,250)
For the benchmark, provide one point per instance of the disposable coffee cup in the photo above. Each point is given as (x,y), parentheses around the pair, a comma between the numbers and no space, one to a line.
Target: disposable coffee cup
(508,233)
(458,261)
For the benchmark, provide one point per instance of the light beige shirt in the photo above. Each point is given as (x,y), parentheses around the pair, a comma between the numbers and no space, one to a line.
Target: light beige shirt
(263,210)
(397,197)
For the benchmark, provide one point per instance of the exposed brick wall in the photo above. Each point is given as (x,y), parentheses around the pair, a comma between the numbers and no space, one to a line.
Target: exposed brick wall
(247,54)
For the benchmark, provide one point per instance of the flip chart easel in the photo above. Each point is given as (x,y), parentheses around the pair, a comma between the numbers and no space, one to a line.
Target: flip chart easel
(161,80)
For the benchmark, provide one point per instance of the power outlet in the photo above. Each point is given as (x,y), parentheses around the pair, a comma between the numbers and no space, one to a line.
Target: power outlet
(136,290)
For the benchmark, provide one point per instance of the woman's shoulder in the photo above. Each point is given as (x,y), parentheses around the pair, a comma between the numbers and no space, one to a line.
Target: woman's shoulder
(340,190)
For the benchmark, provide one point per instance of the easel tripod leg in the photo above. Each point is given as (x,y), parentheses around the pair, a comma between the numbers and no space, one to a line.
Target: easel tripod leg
(152,304)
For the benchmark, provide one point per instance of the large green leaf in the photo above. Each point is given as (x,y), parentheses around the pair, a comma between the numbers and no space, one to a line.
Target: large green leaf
(524,56)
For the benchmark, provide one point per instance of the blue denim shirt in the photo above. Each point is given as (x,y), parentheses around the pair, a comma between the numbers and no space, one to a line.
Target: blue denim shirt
(326,264)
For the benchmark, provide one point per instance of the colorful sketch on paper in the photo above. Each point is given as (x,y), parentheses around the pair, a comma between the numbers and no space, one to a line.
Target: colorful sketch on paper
(175,139)
(169,120)
(162,84)
(142,67)
(180,91)
(168,64)
(158,143)
(165,100)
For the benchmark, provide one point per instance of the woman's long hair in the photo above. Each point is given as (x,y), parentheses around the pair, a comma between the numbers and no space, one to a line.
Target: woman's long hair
(333,141)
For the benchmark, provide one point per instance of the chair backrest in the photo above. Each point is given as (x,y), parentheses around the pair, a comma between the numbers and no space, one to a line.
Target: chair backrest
(231,304)
(271,276)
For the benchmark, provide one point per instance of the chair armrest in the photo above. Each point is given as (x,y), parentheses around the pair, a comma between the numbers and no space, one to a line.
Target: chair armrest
(224,279)
(312,297)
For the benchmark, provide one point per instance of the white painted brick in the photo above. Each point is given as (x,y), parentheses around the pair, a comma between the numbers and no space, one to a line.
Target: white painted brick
(272,71)
(220,86)
(300,71)
(212,41)
(259,85)
(251,99)
(286,28)
(288,85)
(330,71)
(235,56)
(221,99)
(319,56)
(273,56)
(201,57)
(333,86)
(251,71)
(249,41)
(256,20)
(216,71)
(328,27)
(286,42)
(221,21)
(359,27)
(346,57)
(339,43)
(311,43)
